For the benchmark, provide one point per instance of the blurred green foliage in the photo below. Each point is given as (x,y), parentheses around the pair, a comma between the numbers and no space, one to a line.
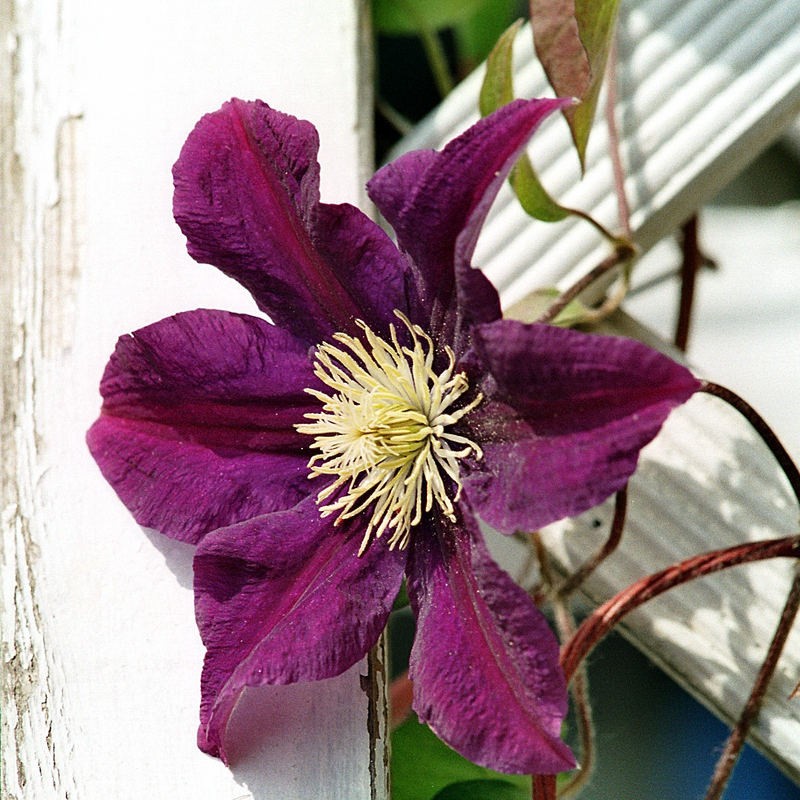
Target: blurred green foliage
(422,766)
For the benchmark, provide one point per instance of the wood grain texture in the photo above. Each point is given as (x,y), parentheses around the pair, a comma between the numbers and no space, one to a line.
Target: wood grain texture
(704,86)
(706,482)
(100,654)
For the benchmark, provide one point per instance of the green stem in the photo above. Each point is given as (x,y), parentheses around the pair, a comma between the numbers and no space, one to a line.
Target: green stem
(434,52)
(579,689)
(400,123)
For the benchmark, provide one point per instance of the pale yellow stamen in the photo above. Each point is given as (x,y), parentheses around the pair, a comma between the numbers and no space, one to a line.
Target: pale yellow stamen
(383,431)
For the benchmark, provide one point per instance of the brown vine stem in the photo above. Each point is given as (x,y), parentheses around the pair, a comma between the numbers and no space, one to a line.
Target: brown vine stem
(762,429)
(401,696)
(604,618)
(735,742)
(583,709)
(733,746)
(597,225)
(577,578)
(543,787)
(690,264)
(613,140)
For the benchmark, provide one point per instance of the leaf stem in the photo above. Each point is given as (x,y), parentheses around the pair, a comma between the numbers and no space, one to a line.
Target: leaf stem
(402,125)
(613,238)
(623,254)
(733,746)
(434,52)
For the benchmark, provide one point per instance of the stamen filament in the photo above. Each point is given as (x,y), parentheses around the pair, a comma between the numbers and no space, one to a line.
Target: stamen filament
(383,431)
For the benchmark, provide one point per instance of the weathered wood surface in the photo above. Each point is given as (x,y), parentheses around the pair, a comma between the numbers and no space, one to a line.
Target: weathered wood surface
(704,86)
(100,654)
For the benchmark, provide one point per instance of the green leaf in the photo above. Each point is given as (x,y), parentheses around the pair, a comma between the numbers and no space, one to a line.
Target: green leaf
(401,601)
(422,765)
(409,16)
(572,39)
(476,35)
(540,300)
(483,790)
(533,197)
(497,90)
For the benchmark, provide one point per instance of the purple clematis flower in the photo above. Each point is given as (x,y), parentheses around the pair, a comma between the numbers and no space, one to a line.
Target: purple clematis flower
(361,434)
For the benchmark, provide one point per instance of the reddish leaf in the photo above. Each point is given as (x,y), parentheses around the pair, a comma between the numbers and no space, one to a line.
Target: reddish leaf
(572,39)
(498,90)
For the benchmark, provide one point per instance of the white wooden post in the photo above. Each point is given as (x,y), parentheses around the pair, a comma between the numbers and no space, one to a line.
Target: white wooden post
(100,655)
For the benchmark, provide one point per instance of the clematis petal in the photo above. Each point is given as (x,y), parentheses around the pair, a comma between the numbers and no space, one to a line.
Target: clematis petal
(564,417)
(247,199)
(196,428)
(285,598)
(437,202)
(484,662)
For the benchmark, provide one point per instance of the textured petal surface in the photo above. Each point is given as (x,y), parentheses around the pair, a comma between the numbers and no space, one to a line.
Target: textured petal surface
(484,661)
(282,599)
(564,418)
(437,202)
(247,199)
(196,429)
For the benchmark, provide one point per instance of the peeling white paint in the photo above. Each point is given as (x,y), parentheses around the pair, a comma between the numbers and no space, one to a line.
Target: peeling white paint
(101,656)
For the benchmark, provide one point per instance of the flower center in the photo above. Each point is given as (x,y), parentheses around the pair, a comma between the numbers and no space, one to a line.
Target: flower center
(383,431)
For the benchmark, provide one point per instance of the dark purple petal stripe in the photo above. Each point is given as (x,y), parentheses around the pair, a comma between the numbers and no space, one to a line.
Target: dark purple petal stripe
(196,429)
(564,417)
(247,199)
(437,202)
(285,598)
(484,662)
